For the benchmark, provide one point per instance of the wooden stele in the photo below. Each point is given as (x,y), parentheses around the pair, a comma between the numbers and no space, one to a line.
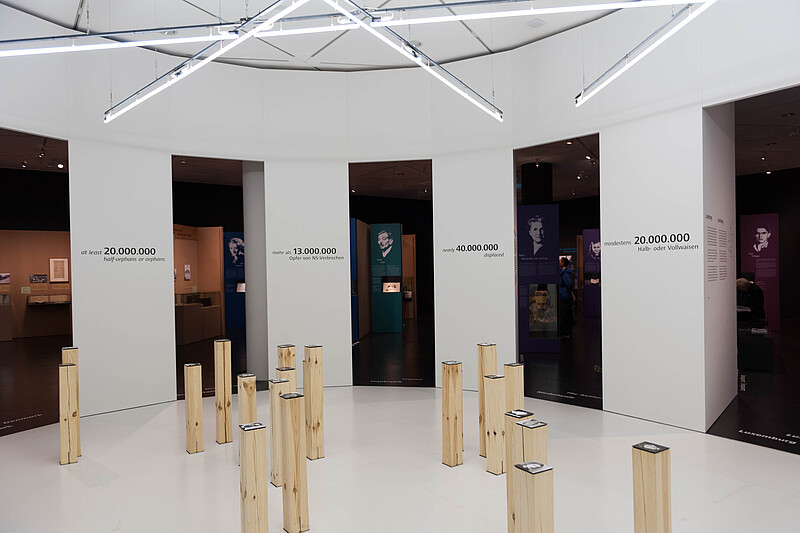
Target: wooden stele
(312,389)
(487,365)
(68,421)
(246,385)
(222,390)
(651,489)
(534,440)
(253,475)
(515,386)
(290,373)
(70,355)
(452,414)
(514,455)
(276,388)
(533,498)
(495,400)
(286,355)
(295,483)
(193,387)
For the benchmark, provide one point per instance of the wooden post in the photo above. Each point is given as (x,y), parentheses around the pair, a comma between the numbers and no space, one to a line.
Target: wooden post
(247,401)
(487,365)
(276,388)
(295,484)
(312,389)
(533,498)
(287,372)
(534,440)
(253,477)
(68,421)
(495,400)
(515,386)
(193,386)
(514,455)
(222,390)
(651,489)
(452,414)
(286,355)
(70,355)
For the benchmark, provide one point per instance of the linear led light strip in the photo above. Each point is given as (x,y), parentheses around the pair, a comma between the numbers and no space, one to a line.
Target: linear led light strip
(166,41)
(187,67)
(420,59)
(524,12)
(642,49)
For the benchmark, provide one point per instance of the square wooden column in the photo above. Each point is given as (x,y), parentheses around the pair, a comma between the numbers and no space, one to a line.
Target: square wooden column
(487,365)
(68,421)
(452,414)
(295,482)
(533,498)
(286,355)
(515,385)
(69,355)
(514,455)
(276,388)
(652,505)
(247,400)
(495,400)
(290,373)
(193,387)
(534,440)
(253,475)
(223,395)
(312,389)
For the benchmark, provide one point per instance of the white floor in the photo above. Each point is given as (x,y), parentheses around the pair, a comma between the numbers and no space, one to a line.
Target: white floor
(382,472)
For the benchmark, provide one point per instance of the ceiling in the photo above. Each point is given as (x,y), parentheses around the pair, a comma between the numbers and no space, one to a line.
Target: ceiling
(345,51)
(412,180)
(574,175)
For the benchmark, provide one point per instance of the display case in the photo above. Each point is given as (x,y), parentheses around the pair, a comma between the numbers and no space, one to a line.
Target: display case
(198,316)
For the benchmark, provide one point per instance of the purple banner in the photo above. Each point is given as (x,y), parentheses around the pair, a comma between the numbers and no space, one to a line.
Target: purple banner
(758,249)
(538,277)
(591,272)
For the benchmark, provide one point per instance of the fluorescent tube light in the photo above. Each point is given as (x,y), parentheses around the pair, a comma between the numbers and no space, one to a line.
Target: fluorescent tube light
(525,12)
(637,54)
(186,68)
(417,56)
(112,45)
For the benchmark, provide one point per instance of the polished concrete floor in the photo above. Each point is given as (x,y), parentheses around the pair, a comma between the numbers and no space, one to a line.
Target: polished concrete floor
(383,472)
(397,359)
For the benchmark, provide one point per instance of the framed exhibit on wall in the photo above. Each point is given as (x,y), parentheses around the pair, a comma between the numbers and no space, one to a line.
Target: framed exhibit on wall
(59,270)
(38,278)
(5,278)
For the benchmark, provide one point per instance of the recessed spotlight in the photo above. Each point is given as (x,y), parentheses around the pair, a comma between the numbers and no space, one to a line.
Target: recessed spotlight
(569,142)
(763,158)
(578,176)
(60,165)
(789,114)
(25,164)
(589,158)
(353,191)
(183,161)
(41,154)
(769,172)
(535,23)
(426,190)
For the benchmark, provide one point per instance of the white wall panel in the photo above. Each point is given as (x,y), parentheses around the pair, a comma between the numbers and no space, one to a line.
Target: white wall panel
(474,295)
(651,182)
(308,296)
(122,312)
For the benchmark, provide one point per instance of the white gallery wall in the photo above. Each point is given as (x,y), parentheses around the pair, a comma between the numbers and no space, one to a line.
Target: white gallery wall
(719,218)
(474,291)
(308,262)
(733,51)
(123,316)
(255,239)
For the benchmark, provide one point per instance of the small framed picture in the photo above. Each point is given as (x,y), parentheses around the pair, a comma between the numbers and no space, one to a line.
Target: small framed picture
(59,270)
(5,278)
(38,278)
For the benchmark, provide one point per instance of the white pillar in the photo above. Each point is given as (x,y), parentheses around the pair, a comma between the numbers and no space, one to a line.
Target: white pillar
(255,238)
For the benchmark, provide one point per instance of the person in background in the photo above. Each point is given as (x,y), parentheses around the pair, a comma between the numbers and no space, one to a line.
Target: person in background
(566,284)
(750,295)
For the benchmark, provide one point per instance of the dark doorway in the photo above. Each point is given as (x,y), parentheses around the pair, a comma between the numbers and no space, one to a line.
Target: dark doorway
(391,202)
(35,300)
(559,270)
(209,251)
